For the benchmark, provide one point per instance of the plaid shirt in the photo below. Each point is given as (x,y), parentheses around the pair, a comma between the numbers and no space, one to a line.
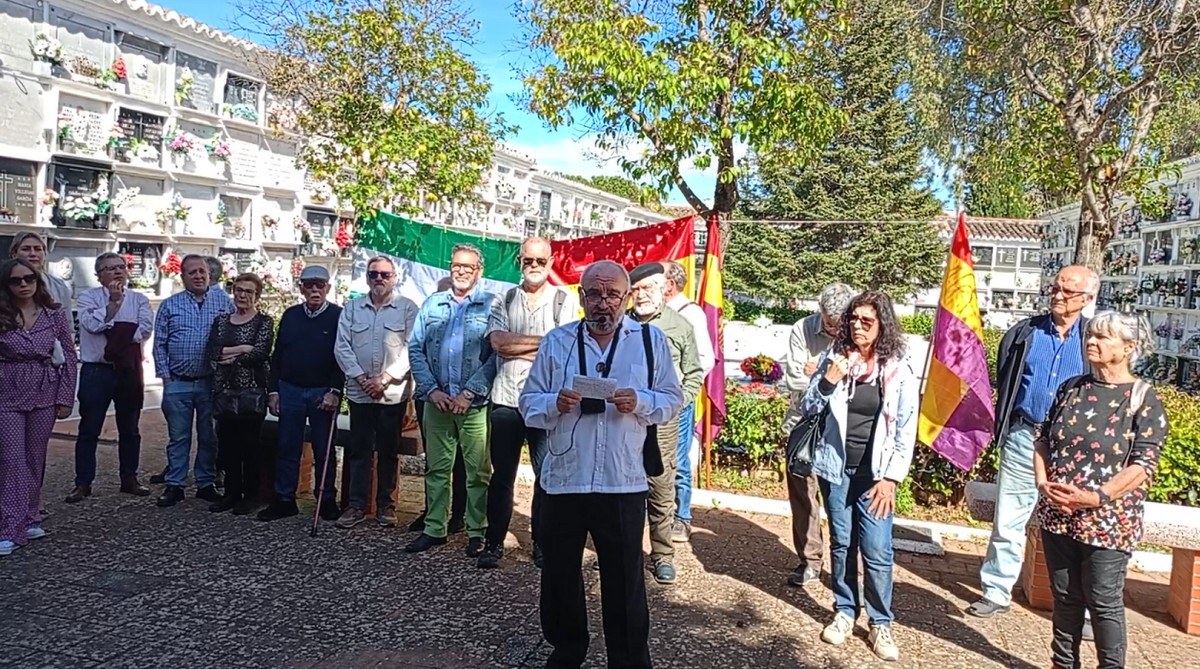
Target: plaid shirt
(181,333)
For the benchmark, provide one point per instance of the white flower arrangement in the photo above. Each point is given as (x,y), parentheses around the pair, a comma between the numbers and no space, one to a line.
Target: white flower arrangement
(321,192)
(45,47)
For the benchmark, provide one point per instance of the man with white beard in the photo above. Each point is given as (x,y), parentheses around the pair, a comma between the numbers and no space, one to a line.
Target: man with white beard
(518,322)
(372,349)
(648,281)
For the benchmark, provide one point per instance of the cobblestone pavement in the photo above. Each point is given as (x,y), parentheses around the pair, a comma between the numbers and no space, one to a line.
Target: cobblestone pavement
(121,583)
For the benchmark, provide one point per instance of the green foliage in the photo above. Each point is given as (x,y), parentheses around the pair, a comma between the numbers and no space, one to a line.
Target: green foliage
(688,81)
(904,498)
(1177,480)
(871,170)
(747,312)
(396,109)
(917,324)
(755,413)
(759,262)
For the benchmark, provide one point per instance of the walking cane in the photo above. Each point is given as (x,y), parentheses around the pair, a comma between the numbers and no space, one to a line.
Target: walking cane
(333,428)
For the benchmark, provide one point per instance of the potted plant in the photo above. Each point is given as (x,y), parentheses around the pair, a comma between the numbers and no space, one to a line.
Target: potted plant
(47,49)
(762,369)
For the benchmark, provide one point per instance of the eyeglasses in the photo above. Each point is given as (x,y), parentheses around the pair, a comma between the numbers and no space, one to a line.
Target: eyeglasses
(1068,294)
(530,262)
(244,291)
(313,283)
(866,323)
(593,297)
(463,267)
(18,280)
(113,268)
(375,275)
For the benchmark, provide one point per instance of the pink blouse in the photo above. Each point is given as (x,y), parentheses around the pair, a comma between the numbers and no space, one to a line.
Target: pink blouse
(27,378)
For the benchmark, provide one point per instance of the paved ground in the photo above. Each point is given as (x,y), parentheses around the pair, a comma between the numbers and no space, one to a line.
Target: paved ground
(121,583)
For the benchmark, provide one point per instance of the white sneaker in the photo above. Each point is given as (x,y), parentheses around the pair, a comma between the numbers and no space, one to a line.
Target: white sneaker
(7,547)
(836,632)
(34,533)
(883,644)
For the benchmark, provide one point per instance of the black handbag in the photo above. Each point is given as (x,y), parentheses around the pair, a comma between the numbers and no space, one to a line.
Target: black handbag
(243,401)
(651,456)
(802,443)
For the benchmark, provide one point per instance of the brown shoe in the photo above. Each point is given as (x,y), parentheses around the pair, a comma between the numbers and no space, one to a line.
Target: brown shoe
(79,493)
(130,486)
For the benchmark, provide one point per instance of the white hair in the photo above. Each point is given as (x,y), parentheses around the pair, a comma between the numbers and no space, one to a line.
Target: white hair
(1129,328)
(834,299)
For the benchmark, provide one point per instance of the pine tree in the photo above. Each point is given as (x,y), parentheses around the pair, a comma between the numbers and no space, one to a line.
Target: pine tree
(871,171)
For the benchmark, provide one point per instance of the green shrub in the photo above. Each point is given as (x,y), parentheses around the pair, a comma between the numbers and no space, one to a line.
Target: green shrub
(754,414)
(919,324)
(747,312)
(1178,478)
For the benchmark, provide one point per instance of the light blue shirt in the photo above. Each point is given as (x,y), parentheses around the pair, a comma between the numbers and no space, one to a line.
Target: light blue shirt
(1050,361)
(452,347)
(602,452)
(181,331)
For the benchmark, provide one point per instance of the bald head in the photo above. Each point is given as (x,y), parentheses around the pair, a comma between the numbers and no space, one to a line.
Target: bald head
(604,287)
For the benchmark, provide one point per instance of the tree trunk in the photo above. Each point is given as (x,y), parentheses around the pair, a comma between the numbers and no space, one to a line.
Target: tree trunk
(1095,226)
(725,196)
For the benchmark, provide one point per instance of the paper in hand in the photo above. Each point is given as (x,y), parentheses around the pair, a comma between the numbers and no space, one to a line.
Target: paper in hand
(594,387)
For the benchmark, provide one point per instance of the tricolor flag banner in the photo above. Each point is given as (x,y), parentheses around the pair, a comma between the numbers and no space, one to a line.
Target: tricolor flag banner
(422,253)
(956,411)
(710,405)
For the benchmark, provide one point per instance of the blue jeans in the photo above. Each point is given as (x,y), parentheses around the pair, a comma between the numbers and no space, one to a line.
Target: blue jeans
(852,530)
(299,406)
(183,400)
(683,463)
(1016,495)
(100,386)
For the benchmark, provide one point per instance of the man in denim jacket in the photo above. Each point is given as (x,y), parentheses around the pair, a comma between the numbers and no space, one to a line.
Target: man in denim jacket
(453,366)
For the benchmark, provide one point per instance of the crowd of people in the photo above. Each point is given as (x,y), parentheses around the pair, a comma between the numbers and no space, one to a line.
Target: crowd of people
(606,406)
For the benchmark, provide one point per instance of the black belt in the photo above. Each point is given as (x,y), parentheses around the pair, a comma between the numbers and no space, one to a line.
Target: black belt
(189,379)
(1022,418)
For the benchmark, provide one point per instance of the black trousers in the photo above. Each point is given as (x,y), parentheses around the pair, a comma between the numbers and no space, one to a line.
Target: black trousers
(240,454)
(458,478)
(374,428)
(616,523)
(1085,577)
(508,434)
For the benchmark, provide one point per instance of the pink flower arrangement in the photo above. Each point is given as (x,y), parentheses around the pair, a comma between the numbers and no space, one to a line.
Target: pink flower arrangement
(182,143)
(762,368)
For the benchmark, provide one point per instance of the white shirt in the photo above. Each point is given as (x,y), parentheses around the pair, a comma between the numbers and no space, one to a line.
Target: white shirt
(93,304)
(521,319)
(598,453)
(694,314)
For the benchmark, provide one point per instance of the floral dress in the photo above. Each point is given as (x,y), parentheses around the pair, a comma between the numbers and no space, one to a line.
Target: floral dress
(1092,435)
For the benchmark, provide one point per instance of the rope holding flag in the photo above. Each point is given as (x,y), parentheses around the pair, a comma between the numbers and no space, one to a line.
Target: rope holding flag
(957,415)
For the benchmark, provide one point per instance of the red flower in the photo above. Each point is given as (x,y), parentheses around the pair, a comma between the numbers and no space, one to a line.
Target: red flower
(129,260)
(171,266)
(343,238)
(118,68)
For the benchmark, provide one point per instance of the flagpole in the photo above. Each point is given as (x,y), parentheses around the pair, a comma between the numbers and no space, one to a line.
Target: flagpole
(706,443)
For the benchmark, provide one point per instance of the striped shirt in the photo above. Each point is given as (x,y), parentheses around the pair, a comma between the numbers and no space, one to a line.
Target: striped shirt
(181,333)
(1051,360)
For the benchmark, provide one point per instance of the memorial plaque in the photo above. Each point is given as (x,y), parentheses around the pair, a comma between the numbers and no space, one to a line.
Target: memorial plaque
(241,98)
(322,222)
(21,114)
(204,80)
(244,158)
(15,18)
(279,166)
(143,126)
(145,66)
(77,180)
(140,212)
(81,35)
(18,191)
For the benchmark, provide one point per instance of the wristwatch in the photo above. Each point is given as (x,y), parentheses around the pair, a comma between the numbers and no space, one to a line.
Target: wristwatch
(469,395)
(1102,496)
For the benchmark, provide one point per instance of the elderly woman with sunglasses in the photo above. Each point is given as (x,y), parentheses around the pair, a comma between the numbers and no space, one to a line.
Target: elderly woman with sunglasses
(1093,459)
(35,390)
(868,395)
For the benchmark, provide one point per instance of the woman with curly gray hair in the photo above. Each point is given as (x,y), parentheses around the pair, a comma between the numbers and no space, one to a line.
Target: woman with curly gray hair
(1093,459)
(868,395)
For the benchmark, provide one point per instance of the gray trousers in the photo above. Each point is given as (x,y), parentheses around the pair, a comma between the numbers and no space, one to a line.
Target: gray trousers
(660,503)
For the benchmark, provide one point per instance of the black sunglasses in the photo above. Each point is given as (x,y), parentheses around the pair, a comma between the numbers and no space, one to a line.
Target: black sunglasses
(312,283)
(18,280)
(530,262)
(375,274)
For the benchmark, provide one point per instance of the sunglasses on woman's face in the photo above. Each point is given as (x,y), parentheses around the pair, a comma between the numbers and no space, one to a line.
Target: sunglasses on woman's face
(26,278)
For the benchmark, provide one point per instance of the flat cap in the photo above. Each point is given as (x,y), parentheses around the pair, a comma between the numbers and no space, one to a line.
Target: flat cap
(645,270)
(314,273)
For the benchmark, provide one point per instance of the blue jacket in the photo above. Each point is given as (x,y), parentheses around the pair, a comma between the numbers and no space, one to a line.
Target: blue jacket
(478,368)
(892,450)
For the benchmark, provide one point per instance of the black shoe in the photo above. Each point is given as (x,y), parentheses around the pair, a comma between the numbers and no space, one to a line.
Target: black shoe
(985,608)
(278,509)
(219,479)
(158,479)
(456,525)
(247,506)
(417,525)
(330,511)
(804,576)
(171,496)
(538,558)
(424,543)
(224,504)
(490,558)
(209,494)
(664,573)
(474,547)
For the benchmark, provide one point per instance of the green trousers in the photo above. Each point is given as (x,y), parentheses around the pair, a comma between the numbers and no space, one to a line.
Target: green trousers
(444,433)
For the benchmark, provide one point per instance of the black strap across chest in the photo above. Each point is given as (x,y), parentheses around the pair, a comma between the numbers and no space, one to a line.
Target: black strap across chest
(605,367)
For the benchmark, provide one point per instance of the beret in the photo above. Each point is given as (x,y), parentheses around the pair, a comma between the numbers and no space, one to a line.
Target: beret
(645,270)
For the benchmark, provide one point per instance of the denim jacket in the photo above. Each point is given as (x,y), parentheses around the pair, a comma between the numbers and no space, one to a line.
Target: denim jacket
(478,367)
(892,450)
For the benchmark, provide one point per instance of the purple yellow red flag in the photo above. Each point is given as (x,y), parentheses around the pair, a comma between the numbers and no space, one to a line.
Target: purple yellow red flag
(956,410)
(710,405)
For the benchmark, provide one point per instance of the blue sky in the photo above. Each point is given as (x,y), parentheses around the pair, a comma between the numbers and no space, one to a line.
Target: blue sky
(562,151)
